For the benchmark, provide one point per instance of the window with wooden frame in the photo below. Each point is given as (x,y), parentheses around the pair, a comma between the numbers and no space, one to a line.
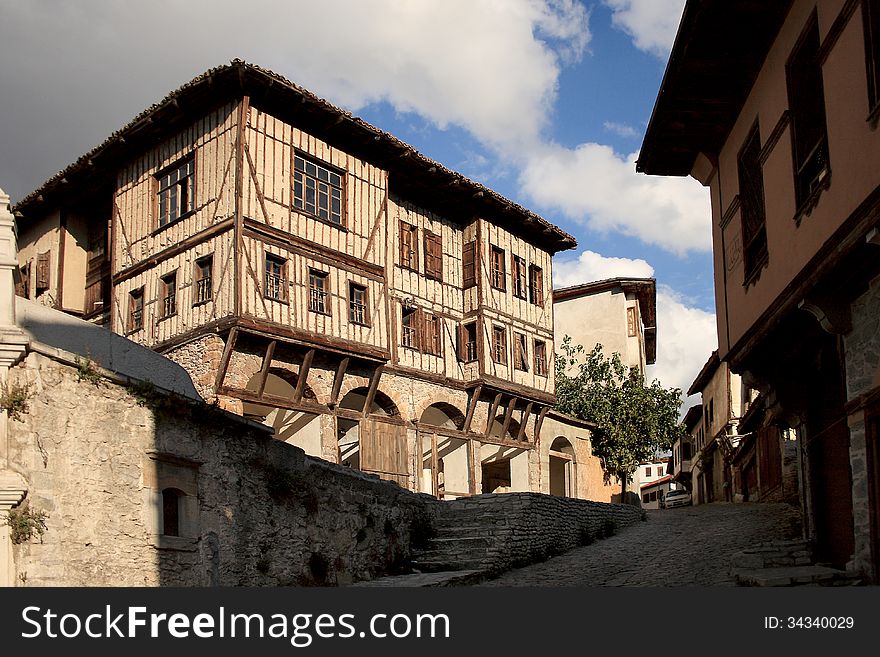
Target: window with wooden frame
(168,295)
(751,201)
(433,343)
(318,289)
(41,283)
(806,102)
(358,311)
(203,277)
(497,271)
(409,246)
(520,352)
(519,276)
(540,355)
(536,285)
(467,342)
(871,21)
(136,309)
(175,190)
(433,256)
(23,284)
(632,322)
(499,345)
(275,283)
(317,189)
(409,327)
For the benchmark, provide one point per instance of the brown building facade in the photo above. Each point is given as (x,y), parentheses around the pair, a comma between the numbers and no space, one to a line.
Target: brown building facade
(774,106)
(313,272)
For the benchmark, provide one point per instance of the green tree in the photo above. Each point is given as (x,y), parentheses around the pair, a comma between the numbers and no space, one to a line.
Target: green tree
(634,421)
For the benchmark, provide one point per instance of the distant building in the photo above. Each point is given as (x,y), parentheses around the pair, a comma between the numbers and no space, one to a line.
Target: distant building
(618,313)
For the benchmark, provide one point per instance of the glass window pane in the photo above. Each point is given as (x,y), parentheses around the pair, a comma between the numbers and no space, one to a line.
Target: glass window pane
(299,164)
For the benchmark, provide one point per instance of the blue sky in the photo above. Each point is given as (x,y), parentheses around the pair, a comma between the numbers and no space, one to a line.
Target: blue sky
(545,101)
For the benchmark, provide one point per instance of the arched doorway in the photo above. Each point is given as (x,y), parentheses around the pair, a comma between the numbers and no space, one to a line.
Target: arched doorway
(446,461)
(374,442)
(562,468)
(291,426)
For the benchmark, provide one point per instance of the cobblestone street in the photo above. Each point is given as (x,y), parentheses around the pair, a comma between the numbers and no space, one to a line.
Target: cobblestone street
(688,546)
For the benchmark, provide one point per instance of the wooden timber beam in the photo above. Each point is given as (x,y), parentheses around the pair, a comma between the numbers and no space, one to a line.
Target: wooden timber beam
(337,380)
(374,386)
(525,419)
(224,359)
(540,423)
(264,370)
(472,473)
(472,406)
(303,375)
(273,400)
(508,416)
(491,417)
(435,465)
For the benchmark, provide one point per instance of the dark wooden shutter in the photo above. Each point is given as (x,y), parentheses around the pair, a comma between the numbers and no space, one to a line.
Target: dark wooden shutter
(433,256)
(21,282)
(460,343)
(409,251)
(537,285)
(43,271)
(469,263)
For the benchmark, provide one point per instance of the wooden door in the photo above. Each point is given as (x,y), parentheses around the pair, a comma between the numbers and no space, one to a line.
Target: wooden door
(383,450)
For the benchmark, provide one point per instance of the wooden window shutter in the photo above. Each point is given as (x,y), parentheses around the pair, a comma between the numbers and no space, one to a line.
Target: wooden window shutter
(460,343)
(536,283)
(469,263)
(433,256)
(43,271)
(419,319)
(21,282)
(409,250)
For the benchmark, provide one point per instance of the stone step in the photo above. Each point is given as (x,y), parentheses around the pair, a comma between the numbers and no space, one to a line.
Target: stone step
(433,579)
(461,541)
(791,576)
(440,566)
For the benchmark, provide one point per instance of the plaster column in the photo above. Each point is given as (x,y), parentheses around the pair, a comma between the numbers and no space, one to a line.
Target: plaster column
(13,488)
(13,343)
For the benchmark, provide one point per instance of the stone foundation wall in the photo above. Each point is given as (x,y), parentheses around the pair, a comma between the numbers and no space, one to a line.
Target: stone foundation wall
(527,527)
(96,457)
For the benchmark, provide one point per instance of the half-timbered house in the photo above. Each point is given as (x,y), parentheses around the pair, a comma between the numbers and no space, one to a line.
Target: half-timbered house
(316,273)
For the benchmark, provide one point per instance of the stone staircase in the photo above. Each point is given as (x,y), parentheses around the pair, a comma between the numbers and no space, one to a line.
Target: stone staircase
(786,563)
(463,541)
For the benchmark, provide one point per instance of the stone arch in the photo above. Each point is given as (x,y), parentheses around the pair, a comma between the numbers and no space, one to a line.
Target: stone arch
(295,427)
(383,404)
(498,425)
(442,414)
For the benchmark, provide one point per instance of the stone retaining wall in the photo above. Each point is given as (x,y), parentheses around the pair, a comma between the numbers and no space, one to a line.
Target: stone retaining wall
(256,512)
(524,528)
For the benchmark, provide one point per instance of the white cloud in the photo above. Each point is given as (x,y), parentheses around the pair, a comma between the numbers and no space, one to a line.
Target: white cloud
(621,129)
(686,336)
(489,66)
(593,185)
(590,266)
(652,24)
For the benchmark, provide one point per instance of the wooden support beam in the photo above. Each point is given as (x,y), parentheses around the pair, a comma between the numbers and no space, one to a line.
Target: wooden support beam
(337,380)
(508,416)
(374,386)
(492,410)
(525,419)
(540,422)
(435,465)
(472,473)
(475,397)
(264,370)
(303,375)
(224,359)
